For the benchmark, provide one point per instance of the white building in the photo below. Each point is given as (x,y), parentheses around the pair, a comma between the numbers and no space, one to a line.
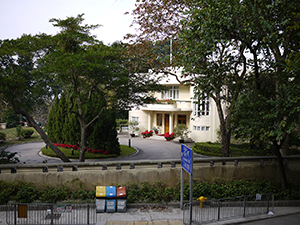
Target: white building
(176,106)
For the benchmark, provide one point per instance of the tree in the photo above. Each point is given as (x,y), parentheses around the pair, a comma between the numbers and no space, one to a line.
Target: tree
(88,69)
(71,127)
(19,85)
(200,50)
(51,126)
(231,45)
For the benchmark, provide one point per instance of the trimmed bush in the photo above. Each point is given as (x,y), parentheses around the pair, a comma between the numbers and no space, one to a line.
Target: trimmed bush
(28,133)
(2,136)
(153,193)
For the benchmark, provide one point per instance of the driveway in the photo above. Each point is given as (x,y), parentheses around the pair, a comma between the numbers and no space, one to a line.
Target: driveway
(154,148)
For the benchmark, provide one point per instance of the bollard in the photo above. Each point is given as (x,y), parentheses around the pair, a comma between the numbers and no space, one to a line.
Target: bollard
(201,199)
(129,144)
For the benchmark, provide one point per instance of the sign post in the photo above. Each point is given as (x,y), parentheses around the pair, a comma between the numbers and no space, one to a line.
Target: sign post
(187,165)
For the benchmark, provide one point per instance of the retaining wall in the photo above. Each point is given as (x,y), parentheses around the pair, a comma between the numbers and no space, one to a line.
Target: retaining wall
(92,174)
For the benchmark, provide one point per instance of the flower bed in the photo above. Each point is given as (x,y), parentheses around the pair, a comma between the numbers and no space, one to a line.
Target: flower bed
(147,133)
(75,147)
(165,101)
(169,136)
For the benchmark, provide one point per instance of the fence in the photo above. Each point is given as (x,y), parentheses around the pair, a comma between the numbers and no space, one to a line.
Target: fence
(34,214)
(228,208)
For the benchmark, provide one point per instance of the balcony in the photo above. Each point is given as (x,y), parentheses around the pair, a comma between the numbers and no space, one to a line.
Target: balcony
(169,105)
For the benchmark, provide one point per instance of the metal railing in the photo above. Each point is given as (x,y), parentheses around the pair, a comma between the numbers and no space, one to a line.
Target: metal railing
(87,166)
(228,208)
(34,214)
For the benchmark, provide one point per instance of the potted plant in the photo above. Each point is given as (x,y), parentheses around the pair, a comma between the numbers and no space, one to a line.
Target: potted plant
(182,131)
(169,137)
(155,129)
(147,133)
(133,127)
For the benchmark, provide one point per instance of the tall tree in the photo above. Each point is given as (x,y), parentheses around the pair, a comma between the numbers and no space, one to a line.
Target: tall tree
(51,123)
(87,68)
(275,29)
(19,85)
(71,127)
(228,43)
(201,49)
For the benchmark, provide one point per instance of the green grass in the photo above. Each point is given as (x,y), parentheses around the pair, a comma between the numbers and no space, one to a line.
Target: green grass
(125,150)
(11,133)
(236,150)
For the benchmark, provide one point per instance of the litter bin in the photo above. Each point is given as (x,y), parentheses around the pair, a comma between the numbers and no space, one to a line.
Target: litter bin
(100,198)
(121,192)
(111,191)
(110,205)
(121,199)
(111,194)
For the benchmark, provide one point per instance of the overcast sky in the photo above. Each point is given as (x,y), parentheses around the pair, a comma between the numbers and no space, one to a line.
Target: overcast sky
(19,17)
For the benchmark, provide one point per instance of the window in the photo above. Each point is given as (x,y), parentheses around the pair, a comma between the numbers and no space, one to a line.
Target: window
(181,119)
(202,107)
(201,128)
(159,119)
(172,93)
(134,118)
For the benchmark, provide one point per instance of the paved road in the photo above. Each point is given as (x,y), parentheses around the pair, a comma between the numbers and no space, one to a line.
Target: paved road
(282,220)
(154,148)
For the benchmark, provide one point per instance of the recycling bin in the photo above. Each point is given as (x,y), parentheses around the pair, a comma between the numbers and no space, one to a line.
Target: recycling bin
(121,192)
(111,192)
(110,205)
(121,205)
(100,205)
(100,191)
(121,199)
(100,199)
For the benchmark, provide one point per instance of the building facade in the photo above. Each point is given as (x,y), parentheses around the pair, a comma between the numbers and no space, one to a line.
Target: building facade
(177,106)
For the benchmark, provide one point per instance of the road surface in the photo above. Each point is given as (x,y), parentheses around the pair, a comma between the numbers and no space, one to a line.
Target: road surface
(154,148)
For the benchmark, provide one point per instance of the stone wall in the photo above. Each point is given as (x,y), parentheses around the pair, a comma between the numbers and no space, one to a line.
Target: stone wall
(171,176)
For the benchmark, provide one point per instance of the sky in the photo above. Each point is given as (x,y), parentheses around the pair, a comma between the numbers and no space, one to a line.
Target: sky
(18,17)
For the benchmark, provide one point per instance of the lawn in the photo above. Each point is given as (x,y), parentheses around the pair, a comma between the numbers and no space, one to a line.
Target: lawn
(11,136)
(125,150)
(236,150)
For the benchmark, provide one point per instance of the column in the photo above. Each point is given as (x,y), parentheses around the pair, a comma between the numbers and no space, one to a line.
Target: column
(149,121)
(171,122)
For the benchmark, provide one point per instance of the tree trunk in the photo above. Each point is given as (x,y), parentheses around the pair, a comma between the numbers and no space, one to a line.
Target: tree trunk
(82,144)
(225,130)
(43,135)
(225,143)
(284,183)
(285,149)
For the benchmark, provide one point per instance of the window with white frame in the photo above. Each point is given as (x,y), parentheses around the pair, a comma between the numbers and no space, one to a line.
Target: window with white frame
(202,107)
(134,118)
(172,93)
(201,128)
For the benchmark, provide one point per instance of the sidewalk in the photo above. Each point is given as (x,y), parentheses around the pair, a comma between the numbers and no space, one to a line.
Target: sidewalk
(174,216)
(169,216)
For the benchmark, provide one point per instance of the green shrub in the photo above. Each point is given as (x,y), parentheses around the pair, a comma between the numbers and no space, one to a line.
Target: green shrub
(7,157)
(20,131)
(208,148)
(28,133)
(2,136)
(215,149)
(28,192)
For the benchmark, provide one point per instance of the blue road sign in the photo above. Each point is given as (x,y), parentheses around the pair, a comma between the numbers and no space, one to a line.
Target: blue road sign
(186,158)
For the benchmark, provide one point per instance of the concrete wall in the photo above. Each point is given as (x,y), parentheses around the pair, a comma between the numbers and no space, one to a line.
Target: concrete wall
(171,176)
